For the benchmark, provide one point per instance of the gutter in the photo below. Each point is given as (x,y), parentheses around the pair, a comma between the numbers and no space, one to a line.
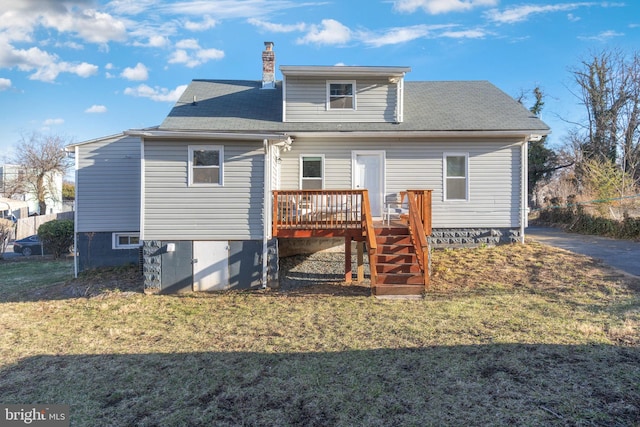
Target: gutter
(170,134)
(520,134)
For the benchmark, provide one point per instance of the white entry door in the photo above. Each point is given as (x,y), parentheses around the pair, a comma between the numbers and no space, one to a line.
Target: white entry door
(210,265)
(368,168)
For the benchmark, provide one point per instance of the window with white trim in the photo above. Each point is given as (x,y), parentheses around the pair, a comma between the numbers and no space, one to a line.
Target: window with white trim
(126,240)
(456,176)
(341,95)
(205,164)
(311,172)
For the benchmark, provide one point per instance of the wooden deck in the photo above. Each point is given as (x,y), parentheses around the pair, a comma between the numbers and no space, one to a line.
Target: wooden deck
(347,214)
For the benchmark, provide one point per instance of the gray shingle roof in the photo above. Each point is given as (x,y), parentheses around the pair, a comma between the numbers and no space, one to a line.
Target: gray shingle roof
(242,106)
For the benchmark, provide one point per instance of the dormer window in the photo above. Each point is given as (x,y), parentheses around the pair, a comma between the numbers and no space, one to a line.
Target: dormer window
(341,95)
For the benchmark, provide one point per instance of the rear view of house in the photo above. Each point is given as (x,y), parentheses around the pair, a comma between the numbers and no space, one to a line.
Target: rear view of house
(238,166)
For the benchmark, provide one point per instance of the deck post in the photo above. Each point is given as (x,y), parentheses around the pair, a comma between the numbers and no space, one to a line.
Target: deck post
(360,247)
(347,259)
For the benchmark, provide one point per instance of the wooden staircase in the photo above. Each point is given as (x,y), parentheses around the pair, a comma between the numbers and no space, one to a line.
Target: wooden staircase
(396,263)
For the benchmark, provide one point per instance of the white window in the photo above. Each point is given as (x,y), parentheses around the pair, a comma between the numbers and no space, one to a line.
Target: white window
(205,164)
(341,95)
(456,176)
(311,172)
(126,240)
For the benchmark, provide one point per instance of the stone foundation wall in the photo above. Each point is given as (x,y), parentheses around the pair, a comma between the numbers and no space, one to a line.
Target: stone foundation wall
(152,265)
(473,237)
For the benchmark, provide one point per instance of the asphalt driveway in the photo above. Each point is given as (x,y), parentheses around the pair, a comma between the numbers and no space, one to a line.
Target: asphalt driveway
(621,254)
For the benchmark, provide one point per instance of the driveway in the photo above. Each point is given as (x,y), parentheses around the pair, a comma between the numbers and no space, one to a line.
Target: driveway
(621,254)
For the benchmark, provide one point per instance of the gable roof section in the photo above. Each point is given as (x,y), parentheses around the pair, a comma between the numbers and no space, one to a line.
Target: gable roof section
(446,106)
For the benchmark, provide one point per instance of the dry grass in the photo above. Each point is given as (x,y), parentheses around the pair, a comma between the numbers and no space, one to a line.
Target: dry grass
(515,335)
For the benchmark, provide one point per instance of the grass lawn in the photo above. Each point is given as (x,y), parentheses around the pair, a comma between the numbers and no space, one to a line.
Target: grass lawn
(521,335)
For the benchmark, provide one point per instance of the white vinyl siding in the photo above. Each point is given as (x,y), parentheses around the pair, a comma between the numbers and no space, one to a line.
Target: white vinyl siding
(493,165)
(173,210)
(306,101)
(108,185)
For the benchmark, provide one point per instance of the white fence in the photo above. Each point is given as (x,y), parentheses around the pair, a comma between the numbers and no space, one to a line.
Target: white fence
(25,227)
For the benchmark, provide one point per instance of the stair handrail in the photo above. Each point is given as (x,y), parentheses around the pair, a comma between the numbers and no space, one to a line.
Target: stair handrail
(418,235)
(370,236)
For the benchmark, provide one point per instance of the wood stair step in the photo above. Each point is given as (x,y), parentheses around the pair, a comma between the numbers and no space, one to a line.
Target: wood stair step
(392,231)
(403,267)
(396,258)
(395,249)
(383,289)
(394,240)
(400,279)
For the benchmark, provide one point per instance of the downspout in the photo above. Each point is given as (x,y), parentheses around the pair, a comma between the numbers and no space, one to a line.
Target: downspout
(75,213)
(524,219)
(266,213)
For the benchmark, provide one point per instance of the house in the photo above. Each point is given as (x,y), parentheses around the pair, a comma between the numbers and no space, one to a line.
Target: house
(53,183)
(238,166)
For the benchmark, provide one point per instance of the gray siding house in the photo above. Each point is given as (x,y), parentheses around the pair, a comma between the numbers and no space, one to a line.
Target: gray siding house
(193,198)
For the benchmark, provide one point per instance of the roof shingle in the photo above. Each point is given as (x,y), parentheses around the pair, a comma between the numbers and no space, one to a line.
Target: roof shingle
(242,106)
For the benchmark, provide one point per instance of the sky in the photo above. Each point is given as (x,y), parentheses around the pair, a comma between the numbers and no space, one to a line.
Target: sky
(84,69)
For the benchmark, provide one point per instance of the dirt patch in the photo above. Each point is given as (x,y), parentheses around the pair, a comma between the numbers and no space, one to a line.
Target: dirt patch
(95,283)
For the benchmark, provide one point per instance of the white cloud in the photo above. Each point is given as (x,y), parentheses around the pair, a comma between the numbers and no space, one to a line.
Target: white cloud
(330,32)
(21,19)
(206,23)
(50,73)
(400,35)
(131,7)
(189,53)
(276,28)
(435,7)
(464,34)
(152,41)
(98,109)
(571,17)
(47,66)
(156,94)
(137,73)
(88,24)
(604,36)
(4,84)
(53,122)
(395,35)
(188,44)
(515,14)
(70,45)
(229,9)
(109,66)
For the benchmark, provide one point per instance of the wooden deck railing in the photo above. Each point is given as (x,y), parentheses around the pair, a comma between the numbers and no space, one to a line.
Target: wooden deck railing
(317,210)
(420,227)
(347,213)
(370,235)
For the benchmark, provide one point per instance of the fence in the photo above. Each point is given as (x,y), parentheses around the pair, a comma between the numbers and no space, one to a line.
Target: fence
(25,227)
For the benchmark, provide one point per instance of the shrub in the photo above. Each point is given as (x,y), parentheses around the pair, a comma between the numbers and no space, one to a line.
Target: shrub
(57,236)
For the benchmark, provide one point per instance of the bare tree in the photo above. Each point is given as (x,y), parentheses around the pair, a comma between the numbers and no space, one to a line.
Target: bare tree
(39,158)
(609,88)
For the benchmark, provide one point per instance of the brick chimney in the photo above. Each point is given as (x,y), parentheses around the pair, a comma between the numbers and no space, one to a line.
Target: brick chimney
(268,66)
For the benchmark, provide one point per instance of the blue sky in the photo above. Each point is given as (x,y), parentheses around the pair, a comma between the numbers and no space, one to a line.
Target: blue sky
(87,68)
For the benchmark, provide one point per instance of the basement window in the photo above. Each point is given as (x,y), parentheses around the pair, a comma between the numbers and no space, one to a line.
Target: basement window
(125,240)
(341,95)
